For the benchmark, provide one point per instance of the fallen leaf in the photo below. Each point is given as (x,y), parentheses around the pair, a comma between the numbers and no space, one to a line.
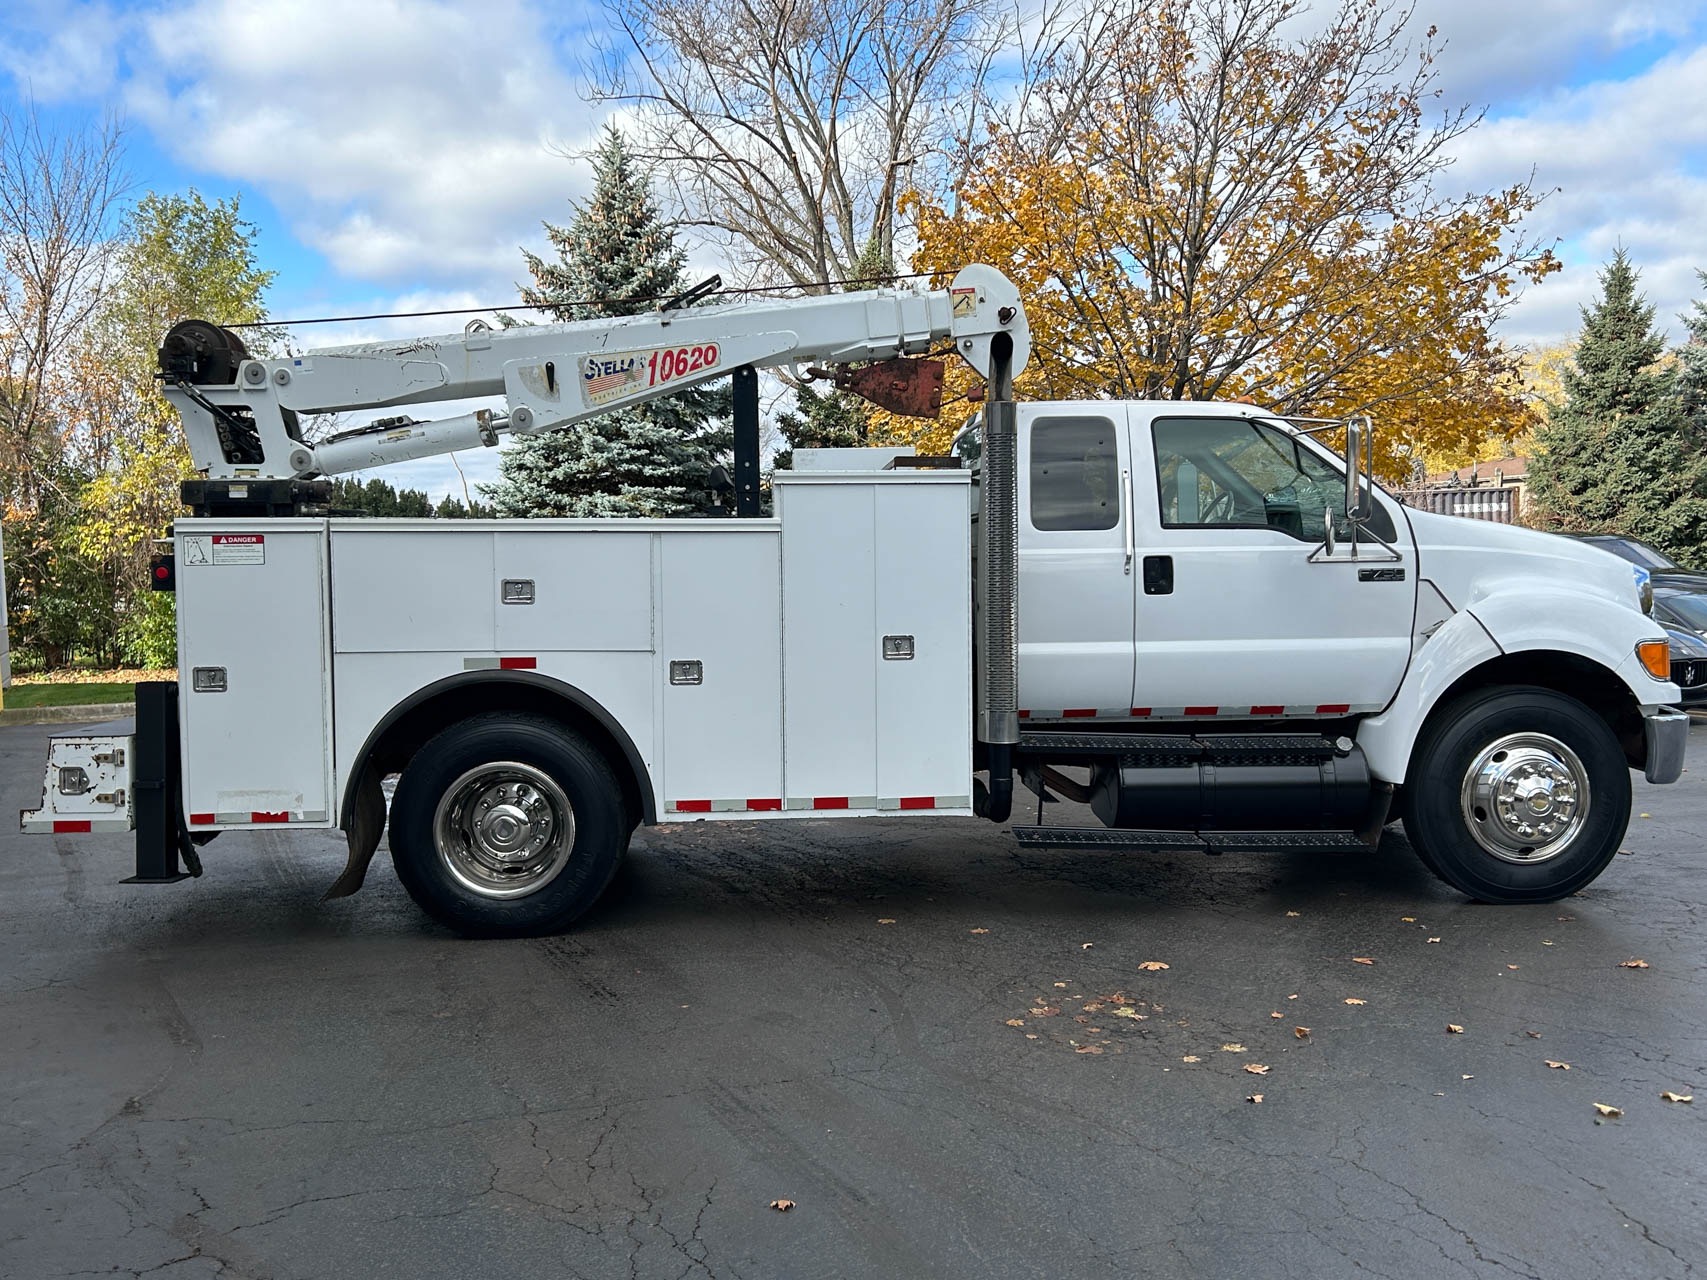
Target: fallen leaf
(1355,1000)
(1082,1019)
(1191,1057)
(1016,1022)
(1151,966)
(1466,1077)
(1557,1066)
(1634,964)
(1293,914)
(1256,1068)
(1030,1036)
(1453,1029)
(978,931)
(782,1206)
(1546,942)
(1669,1096)
(1232,1048)
(1293,996)
(1255,1097)
(1045,1010)
(880,920)
(1606,1110)
(1086,946)
(1303,1033)
(1361,960)
(1407,919)
(1088,1048)
(1094,1006)
(1566,919)
(1644,815)
(1533,1035)
(1127,1011)
(1060,984)
(1276,1014)
(1511,966)
(1434,939)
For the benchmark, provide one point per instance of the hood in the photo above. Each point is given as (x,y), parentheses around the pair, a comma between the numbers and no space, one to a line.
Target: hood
(1469,559)
(1686,644)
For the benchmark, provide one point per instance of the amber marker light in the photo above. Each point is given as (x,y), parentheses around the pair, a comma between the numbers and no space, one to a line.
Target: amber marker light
(1656,657)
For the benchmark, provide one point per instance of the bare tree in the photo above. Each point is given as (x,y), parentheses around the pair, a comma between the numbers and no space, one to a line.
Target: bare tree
(59,194)
(788,130)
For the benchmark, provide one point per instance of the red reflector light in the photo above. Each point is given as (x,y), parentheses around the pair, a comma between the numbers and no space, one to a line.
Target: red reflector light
(918,802)
(62,827)
(517,664)
(830,802)
(269,817)
(693,806)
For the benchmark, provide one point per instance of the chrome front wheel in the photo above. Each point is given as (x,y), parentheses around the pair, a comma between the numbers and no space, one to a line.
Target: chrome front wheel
(1526,797)
(1516,794)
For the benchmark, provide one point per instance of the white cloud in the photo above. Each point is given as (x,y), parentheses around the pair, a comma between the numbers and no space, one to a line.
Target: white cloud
(408,140)
(1496,53)
(55,52)
(1624,156)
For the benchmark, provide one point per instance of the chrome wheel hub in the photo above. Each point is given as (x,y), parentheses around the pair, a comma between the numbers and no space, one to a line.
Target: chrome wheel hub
(1525,797)
(504,830)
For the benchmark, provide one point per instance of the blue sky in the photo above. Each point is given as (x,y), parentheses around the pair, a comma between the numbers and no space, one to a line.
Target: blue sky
(397,154)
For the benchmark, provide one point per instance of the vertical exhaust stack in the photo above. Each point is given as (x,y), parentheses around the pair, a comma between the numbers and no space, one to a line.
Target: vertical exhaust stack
(996,584)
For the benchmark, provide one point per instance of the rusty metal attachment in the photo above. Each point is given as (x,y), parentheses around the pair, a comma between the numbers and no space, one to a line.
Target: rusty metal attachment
(912,388)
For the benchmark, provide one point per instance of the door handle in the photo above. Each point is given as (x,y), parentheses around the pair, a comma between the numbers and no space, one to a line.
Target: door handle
(1126,520)
(1158,575)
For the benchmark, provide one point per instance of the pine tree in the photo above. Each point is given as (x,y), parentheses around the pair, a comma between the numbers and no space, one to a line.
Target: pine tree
(1620,456)
(615,258)
(1692,364)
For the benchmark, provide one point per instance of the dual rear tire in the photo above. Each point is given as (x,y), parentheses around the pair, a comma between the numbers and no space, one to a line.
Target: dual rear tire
(506,825)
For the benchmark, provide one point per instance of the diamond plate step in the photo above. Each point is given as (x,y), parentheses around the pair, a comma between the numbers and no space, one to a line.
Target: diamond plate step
(1161,750)
(1188,841)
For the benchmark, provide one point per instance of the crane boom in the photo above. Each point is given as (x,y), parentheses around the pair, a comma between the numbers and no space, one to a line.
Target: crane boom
(241,415)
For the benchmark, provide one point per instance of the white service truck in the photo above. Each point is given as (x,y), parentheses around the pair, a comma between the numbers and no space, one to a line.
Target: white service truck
(1192,617)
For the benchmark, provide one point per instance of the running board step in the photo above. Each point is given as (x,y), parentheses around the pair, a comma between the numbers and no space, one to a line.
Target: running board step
(1188,841)
(1172,750)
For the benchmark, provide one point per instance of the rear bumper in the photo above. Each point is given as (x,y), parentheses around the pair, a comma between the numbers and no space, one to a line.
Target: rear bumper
(1667,733)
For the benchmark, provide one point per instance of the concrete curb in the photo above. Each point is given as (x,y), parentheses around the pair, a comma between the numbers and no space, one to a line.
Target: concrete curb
(88,713)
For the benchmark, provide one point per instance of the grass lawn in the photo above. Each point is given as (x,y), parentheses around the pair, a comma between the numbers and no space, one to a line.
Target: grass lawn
(67,695)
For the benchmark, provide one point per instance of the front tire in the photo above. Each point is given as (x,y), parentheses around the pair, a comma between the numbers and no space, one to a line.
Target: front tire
(1517,795)
(506,826)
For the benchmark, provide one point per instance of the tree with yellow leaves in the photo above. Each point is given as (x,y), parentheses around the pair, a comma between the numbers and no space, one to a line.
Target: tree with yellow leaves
(1200,199)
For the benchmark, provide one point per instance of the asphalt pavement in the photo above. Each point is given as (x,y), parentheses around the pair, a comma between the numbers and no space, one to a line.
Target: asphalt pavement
(955,1059)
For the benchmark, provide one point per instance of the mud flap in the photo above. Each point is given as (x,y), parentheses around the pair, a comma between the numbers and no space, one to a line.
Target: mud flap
(366,827)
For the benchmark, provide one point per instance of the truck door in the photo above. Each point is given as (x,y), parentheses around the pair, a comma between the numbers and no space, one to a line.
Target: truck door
(1075,567)
(1232,618)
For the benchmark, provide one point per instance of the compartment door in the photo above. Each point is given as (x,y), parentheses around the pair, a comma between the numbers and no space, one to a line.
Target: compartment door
(253,618)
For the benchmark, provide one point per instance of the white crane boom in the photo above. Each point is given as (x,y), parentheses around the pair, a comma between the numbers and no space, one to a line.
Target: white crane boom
(240,414)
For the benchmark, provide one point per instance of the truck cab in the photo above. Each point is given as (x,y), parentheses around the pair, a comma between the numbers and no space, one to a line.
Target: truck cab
(1191,584)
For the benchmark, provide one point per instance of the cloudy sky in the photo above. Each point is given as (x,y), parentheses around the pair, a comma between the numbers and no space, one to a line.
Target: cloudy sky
(395,154)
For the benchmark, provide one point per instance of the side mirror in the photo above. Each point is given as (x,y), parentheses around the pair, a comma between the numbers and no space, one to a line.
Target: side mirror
(1356,460)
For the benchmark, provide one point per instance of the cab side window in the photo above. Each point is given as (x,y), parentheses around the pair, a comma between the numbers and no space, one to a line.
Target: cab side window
(1075,474)
(1237,474)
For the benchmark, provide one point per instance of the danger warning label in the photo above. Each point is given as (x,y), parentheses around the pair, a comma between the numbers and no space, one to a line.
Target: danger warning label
(225,548)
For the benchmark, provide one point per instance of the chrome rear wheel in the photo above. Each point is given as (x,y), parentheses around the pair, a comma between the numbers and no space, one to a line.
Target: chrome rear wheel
(504,830)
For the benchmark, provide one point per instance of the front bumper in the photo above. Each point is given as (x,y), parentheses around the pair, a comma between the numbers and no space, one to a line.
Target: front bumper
(1667,732)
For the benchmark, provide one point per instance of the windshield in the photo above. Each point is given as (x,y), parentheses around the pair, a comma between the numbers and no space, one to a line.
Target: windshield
(1635,552)
(1690,608)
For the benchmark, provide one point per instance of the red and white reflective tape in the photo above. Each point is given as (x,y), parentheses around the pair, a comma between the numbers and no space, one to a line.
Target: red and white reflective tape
(1260,712)
(500,664)
(43,826)
(824,804)
(255,818)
